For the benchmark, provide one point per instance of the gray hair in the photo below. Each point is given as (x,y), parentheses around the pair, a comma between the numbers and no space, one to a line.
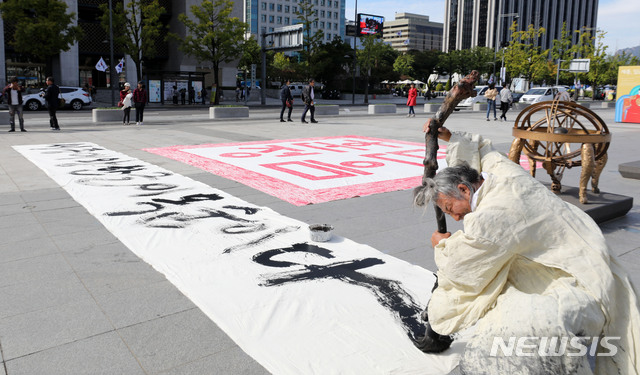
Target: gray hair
(446,183)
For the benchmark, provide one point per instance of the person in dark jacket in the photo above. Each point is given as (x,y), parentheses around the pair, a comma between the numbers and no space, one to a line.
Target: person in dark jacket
(308,98)
(13,94)
(287,101)
(52,96)
(140,100)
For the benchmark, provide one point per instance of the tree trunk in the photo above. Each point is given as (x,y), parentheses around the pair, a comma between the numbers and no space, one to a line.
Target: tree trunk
(366,90)
(216,80)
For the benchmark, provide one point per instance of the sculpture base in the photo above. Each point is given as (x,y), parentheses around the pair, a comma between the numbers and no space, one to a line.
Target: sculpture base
(630,170)
(601,207)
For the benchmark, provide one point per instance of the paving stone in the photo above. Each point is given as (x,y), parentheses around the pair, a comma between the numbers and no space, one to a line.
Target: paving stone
(23,220)
(144,303)
(103,354)
(10,198)
(55,326)
(85,240)
(171,341)
(230,361)
(44,195)
(13,209)
(46,267)
(53,204)
(30,248)
(630,170)
(41,294)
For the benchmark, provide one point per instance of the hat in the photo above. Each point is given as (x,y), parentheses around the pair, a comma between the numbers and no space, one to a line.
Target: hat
(127,84)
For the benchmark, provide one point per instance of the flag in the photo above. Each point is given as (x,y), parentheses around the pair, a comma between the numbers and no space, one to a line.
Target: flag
(101,65)
(492,79)
(120,66)
(399,33)
(406,42)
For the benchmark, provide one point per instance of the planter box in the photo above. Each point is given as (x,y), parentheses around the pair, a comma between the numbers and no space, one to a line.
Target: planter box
(431,108)
(608,104)
(375,109)
(327,110)
(585,104)
(228,112)
(520,106)
(110,115)
(479,106)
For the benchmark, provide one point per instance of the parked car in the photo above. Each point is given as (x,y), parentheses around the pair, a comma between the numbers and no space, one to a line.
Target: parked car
(479,98)
(516,96)
(541,94)
(75,97)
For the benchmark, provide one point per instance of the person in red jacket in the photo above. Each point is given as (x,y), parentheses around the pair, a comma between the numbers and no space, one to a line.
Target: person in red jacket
(411,101)
(140,99)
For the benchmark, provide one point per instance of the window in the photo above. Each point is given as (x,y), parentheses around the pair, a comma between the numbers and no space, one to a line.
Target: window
(279,7)
(322,2)
(329,25)
(329,3)
(328,14)
(270,19)
(316,2)
(264,6)
(328,36)
(272,6)
(271,29)
(322,13)
(286,20)
(315,24)
(335,4)
(335,15)
(322,25)
(279,20)
(294,9)
(335,26)
(286,9)
(263,18)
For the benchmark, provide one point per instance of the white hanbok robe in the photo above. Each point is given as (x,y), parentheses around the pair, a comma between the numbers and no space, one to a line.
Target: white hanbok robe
(527,264)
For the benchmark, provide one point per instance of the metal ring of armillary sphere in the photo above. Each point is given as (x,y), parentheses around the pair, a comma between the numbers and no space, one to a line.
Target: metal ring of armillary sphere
(562,135)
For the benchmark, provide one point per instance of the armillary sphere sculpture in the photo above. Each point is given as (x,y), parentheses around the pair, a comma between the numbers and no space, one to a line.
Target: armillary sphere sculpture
(562,135)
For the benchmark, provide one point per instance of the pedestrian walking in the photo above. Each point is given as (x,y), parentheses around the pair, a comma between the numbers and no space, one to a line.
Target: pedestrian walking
(126,97)
(52,97)
(491,94)
(192,95)
(412,96)
(308,98)
(287,101)
(203,95)
(174,95)
(183,96)
(140,100)
(506,98)
(13,96)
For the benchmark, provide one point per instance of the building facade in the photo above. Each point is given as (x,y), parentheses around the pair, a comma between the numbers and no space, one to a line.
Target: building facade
(76,67)
(413,32)
(486,23)
(268,15)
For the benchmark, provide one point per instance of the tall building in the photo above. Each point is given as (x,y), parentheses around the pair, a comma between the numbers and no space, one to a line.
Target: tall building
(485,23)
(269,15)
(413,32)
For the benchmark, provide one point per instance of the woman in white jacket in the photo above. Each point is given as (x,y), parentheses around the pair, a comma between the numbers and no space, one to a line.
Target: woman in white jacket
(125,96)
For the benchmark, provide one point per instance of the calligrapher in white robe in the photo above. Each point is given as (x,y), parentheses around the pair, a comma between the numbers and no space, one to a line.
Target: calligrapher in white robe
(529,265)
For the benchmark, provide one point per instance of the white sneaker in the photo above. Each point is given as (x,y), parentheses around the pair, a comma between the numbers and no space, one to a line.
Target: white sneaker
(137,123)
(141,123)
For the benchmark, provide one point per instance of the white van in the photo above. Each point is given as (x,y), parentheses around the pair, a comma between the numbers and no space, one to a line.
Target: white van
(479,98)
(541,94)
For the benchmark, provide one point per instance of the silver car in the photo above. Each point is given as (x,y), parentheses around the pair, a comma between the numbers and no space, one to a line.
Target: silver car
(75,97)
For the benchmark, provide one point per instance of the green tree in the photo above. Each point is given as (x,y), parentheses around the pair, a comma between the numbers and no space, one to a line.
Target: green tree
(137,28)
(282,67)
(41,28)
(425,63)
(214,36)
(250,55)
(561,49)
(524,58)
(404,65)
(374,58)
(330,63)
(308,16)
(599,64)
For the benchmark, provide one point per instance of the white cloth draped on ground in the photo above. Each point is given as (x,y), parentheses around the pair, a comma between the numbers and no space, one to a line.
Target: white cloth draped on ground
(529,264)
(295,306)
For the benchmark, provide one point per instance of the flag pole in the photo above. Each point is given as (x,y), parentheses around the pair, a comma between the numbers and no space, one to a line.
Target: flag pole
(111,62)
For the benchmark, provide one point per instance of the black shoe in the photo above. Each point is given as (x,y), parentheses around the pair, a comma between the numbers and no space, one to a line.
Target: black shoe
(314,121)
(432,342)
(289,120)
(56,128)
(304,122)
(281,120)
(12,130)
(23,130)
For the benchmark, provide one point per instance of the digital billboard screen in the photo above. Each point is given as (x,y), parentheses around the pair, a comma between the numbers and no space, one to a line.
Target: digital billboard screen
(370,25)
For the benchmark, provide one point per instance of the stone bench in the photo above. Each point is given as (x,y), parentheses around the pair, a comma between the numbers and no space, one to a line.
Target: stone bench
(479,106)
(608,104)
(431,108)
(327,110)
(375,109)
(228,112)
(630,170)
(110,114)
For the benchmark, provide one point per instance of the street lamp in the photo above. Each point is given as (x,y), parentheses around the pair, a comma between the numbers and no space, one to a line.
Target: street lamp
(355,36)
(111,62)
(498,32)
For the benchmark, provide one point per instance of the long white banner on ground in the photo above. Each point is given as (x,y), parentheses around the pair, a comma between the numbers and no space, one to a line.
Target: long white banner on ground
(296,306)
